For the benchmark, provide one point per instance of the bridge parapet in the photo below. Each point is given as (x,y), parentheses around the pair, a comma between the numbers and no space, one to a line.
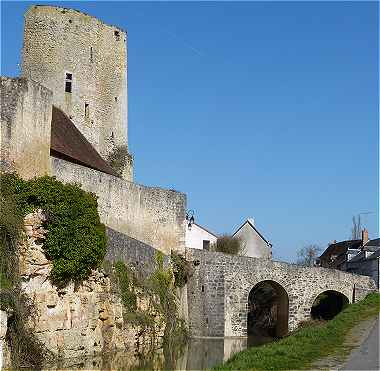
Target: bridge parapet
(219,288)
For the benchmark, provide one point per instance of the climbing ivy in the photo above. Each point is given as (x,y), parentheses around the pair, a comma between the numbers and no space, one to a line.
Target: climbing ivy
(159,292)
(76,240)
(182,269)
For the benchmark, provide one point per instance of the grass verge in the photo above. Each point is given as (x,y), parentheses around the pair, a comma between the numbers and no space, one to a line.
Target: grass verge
(305,345)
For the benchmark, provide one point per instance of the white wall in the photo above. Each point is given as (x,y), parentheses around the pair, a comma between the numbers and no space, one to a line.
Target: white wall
(196,235)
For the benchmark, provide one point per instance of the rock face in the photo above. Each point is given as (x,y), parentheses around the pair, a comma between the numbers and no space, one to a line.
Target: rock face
(76,320)
(4,352)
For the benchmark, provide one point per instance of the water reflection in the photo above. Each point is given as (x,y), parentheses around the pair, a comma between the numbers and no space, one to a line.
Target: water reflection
(197,354)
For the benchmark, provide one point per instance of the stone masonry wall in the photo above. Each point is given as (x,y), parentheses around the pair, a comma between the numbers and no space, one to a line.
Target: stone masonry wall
(76,320)
(59,41)
(121,247)
(218,291)
(153,216)
(25,127)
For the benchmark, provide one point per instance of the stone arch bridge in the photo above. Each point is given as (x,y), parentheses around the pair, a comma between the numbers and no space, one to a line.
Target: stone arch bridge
(218,291)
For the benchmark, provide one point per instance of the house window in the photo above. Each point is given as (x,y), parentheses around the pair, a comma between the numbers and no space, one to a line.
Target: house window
(86,110)
(206,245)
(68,82)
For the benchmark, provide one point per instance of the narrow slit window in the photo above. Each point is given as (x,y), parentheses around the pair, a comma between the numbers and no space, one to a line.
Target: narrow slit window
(91,55)
(69,82)
(117,35)
(86,110)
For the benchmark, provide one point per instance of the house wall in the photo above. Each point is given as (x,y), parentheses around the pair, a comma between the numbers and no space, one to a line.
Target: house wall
(153,216)
(368,267)
(59,41)
(253,245)
(25,127)
(196,235)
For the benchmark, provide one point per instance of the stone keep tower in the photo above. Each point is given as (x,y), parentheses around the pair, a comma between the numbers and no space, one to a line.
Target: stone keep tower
(84,63)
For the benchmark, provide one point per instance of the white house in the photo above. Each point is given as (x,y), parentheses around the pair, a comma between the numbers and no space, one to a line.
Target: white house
(253,243)
(198,237)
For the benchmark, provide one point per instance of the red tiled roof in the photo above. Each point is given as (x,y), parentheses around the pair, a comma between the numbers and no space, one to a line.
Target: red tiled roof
(68,143)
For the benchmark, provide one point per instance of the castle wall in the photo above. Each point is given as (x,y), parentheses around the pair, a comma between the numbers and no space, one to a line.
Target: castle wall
(220,285)
(153,216)
(25,127)
(58,41)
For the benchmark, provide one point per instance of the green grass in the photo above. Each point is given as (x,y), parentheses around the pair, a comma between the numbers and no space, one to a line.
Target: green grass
(305,345)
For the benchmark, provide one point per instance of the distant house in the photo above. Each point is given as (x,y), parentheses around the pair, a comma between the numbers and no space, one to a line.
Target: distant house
(355,256)
(198,237)
(338,253)
(253,242)
(367,261)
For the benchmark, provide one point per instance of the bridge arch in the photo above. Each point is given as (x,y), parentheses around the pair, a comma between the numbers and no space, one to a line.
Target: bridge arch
(327,304)
(268,309)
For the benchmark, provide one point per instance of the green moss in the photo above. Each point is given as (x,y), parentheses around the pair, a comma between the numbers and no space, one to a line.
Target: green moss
(307,344)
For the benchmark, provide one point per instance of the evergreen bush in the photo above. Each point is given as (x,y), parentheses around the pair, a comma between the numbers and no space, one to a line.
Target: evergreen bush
(76,240)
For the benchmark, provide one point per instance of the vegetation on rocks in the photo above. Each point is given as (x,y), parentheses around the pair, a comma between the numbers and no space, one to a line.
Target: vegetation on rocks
(158,291)
(76,240)
(119,158)
(75,243)
(307,344)
(26,349)
(182,269)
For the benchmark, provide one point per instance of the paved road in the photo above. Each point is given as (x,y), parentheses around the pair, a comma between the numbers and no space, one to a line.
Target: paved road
(366,357)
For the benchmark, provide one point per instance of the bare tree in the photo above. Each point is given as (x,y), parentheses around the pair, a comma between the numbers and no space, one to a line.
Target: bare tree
(308,255)
(356,229)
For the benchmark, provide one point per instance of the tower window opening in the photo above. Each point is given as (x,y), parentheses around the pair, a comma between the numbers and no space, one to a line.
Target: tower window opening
(86,110)
(68,82)
(117,35)
(91,55)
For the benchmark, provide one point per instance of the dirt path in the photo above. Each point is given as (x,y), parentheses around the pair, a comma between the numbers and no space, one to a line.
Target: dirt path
(366,357)
(360,350)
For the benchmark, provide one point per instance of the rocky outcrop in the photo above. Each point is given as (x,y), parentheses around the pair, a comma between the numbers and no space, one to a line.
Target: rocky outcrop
(4,351)
(76,320)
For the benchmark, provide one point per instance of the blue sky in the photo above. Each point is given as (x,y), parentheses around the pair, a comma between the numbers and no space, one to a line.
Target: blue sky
(266,110)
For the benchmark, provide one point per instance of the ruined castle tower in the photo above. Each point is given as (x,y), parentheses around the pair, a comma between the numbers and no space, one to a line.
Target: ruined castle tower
(84,63)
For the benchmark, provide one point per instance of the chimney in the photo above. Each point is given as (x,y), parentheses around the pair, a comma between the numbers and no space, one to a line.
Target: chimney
(364,236)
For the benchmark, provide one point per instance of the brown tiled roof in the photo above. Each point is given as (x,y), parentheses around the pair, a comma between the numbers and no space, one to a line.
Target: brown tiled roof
(68,143)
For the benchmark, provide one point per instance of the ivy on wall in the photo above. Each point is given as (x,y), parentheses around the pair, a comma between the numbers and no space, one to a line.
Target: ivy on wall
(161,302)
(76,240)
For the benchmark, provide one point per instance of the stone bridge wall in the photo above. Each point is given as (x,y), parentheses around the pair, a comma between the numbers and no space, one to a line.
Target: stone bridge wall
(219,288)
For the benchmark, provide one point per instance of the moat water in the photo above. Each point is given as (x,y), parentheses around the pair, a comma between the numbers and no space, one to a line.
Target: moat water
(196,354)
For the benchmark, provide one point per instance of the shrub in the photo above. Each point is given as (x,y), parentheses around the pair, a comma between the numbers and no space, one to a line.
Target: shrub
(119,158)
(181,268)
(76,240)
(228,245)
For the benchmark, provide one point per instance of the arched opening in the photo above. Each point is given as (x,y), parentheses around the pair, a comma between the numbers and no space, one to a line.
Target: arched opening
(268,310)
(328,304)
